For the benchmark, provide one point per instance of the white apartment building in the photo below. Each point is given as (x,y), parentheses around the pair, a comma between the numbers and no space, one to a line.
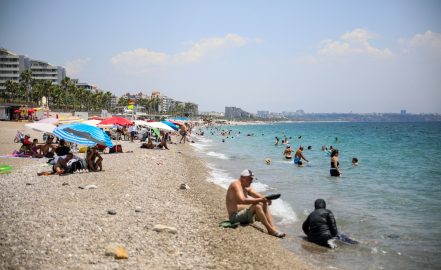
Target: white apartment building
(9,67)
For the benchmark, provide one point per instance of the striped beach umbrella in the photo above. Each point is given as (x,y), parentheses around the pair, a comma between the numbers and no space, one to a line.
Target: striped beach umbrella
(83,134)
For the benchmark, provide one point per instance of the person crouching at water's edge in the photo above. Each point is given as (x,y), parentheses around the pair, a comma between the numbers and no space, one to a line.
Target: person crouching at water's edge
(247,210)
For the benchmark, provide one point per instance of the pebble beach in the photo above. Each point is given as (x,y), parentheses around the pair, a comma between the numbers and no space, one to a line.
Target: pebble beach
(63,222)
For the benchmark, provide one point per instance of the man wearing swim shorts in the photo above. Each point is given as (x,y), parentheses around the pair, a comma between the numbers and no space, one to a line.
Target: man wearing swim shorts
(247,210)
(183,132)
(288,152)
(299,155)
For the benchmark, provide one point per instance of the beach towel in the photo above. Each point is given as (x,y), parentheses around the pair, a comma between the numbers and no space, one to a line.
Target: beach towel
(16,156)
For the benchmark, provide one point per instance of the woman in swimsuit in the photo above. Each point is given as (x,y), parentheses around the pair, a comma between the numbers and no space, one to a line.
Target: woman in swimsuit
(335,171)
(35,149)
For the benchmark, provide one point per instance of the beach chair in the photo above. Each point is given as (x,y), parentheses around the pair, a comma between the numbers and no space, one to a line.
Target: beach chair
(18,137)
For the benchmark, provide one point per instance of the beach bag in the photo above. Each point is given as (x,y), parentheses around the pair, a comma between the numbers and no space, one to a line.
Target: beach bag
(82,150)
(76,165)
(117,148)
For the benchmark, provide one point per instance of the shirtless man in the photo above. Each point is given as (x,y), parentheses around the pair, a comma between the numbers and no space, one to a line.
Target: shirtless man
(245,210)
(288,152)
(151,145)
(183,132)
(45,149)
(60,165)
(277,141)
(299,155)
(92,161)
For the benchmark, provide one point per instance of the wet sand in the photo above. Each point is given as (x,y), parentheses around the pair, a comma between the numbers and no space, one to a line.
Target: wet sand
(48,225)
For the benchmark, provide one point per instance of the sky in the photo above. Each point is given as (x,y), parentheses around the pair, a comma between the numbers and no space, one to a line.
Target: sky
(318,56)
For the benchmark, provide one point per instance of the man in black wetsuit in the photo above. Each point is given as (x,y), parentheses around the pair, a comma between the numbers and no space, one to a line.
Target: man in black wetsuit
(320,226)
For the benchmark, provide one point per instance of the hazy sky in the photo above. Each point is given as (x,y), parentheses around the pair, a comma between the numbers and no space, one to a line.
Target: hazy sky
(319,56)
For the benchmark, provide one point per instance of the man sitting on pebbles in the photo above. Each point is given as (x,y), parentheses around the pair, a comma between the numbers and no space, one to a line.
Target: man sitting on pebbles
(246,210)
(60,165)
(94,160)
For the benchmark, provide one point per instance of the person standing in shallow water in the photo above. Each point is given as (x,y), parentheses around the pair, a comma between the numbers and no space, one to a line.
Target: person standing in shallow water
(335,171)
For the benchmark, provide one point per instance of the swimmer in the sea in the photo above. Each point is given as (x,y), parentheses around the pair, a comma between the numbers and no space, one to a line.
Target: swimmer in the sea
(277,141)
(288,152)
(300,164)
(355,162)
(323,148)
(335,171)
(300,137)
(290,138)
(268,161)
(299,155)
(223,140)
(336,139)
(309,147)
(284,141)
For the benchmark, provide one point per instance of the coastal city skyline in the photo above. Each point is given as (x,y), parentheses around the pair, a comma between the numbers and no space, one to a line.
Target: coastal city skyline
(278,57)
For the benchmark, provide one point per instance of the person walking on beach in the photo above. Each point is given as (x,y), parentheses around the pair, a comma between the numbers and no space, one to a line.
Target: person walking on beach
(245,210)
(183,132)
(299,155)
(335,171)
(288,152)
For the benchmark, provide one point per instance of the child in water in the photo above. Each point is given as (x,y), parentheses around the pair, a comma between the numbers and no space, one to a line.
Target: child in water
(268,161)
(355,162)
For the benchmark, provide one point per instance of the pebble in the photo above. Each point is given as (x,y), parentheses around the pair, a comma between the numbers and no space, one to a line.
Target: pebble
(91,187)
(65,184)
(121,254)
(111,212)
(163,228)
(138,209)
(184,186)
(112,248)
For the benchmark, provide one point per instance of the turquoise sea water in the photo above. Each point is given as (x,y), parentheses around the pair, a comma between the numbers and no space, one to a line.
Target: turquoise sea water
(391,202)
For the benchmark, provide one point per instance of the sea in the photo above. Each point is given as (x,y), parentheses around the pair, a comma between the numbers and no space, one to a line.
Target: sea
(390,203)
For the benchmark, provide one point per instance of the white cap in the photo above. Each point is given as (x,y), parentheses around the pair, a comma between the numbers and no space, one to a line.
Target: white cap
(247,173)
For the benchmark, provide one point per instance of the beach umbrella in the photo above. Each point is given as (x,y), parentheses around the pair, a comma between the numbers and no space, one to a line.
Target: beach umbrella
(17,111)
(83,134)
(116,121)
(173,126)
(140,123)
(175,122)
(92,122)
(48,121)
(41,127)
(65,120)
(160,126)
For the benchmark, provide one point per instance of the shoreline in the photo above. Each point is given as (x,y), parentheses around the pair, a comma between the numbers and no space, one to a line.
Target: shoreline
(47,225)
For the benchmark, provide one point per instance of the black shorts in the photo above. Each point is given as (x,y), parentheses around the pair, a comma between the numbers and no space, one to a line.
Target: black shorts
(288,157)
(334,172)
(183,133)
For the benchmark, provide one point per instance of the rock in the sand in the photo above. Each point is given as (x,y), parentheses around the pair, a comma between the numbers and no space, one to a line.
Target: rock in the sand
(162,228)
(65,184)
(111,212)
(184,186)
(112,248)
(138,209)
(121,254)
(91,187)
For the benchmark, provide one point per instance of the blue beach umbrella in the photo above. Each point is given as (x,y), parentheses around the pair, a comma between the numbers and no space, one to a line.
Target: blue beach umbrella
(173,126)
(83,134)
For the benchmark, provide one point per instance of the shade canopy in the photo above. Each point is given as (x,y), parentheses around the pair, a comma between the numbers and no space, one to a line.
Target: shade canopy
(175,122)
(41,127)
(116,121)
(160,126)
(141,123)
(173,126)
(83,134)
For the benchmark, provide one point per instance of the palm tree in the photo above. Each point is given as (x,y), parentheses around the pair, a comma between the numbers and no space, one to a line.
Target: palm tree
(99,99)
(37,91)
(65,82)
(57,94)
(73,89)
(80,95)
(87,98)
(11,88)
(33,82)
(26,77)
(47,87)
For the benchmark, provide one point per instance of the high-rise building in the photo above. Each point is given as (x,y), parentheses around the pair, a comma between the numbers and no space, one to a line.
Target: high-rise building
(403,111)
(262,112)
(11,66)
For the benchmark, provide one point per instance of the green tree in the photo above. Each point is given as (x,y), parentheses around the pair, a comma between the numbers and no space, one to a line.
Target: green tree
(32,82)
(73,89)
(47,87)
(80,95)
(65,82)
(57,94)
(25,76)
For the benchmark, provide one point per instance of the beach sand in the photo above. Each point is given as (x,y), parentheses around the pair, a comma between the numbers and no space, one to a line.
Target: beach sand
(48,225)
